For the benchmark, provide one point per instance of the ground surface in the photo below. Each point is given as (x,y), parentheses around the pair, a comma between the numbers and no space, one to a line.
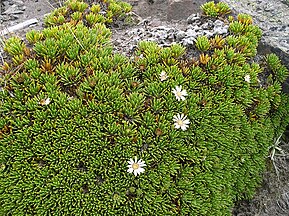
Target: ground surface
(273,197)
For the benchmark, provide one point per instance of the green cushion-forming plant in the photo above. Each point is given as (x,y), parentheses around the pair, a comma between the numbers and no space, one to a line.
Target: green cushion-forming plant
(73,113)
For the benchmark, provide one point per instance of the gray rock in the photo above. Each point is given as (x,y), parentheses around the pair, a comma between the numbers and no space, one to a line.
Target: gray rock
(193,18)
(14,9)
(219,23)
(180,35)
(208,33)
(188,41)
(273,19)
(221,30)
(18,2)
(192,33)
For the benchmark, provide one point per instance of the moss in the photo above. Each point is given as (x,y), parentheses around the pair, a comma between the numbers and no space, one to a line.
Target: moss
(73,113)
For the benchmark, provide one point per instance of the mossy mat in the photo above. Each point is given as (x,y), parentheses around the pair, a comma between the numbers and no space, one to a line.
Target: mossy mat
(85,130)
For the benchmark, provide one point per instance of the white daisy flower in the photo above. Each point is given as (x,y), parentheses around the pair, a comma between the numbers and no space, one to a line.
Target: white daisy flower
(44,102)
(247,78)
(136,166)
(181,121)
(179,93)
(163,76)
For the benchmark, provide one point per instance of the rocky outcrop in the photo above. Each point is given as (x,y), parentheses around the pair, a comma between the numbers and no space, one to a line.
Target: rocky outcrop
(273,18)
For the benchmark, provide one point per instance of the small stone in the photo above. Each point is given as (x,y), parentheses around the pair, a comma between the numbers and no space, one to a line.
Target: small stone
(273,28)
(208,33)
(218,23)
(18,2)
(267,9)
(180,35)
(188,41)
(116,43)
(197,28)
(14,9)
(205,26)
(221,30)
(193,18)
(191,33)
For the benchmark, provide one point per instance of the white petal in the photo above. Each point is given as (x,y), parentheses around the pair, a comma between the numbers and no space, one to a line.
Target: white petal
(135,159)
(182,117)
(47,101)
(179,88)
(179,116)
(140,170)
(183,98)
(178,98)
(177,126)
(175,118)
(135,172)
(130,170)
(187,121)
(130,161)
(184,92)
(163,75)
(184,127)
(143,164)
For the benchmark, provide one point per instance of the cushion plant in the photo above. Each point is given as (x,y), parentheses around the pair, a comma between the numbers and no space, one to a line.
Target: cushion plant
(87,131)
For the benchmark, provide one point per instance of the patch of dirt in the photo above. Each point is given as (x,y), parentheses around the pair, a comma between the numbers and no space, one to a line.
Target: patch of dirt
(30,9)
(150,8)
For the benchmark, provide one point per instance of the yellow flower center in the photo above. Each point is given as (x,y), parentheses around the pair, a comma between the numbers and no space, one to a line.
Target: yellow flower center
(179,94)
(135,166)
(42,101)
(180,122)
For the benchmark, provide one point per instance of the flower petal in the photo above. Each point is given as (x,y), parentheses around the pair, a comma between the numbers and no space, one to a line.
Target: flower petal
(130,161)
(142,164)
(187,121)
(175,117)
(130,170)
(177,126)
(140,170)
(184,93)
(184,127)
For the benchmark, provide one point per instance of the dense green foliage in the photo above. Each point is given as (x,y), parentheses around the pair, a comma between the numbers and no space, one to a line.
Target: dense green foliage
(73,112)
